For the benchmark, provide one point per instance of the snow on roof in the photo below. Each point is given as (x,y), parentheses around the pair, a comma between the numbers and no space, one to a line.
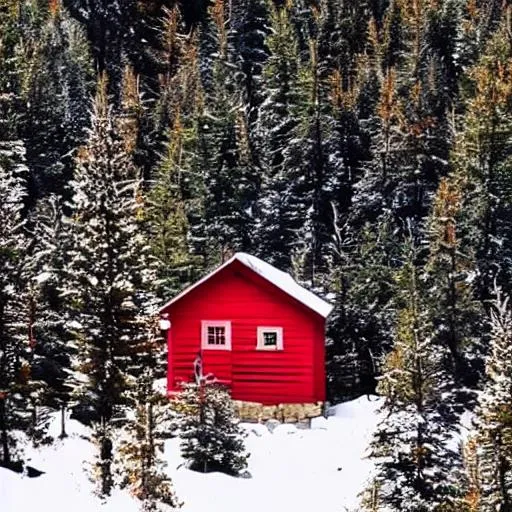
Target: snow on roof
(278,278)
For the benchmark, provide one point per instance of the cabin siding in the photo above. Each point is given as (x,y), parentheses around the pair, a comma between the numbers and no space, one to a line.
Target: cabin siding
(293,375)
(319,361)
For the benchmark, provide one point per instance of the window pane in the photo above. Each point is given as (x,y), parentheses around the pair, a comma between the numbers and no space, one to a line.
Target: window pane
(216,334)
(270,339)
(220,335)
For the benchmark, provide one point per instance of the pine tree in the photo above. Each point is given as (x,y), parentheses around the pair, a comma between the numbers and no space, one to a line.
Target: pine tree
(181,92)
(55,76)
(411,132)
(482,156)
(480,21)
(360,327)
(250,24)
(342,35)
(373,193)
(281,211)
(450,272)
(141,448)
(494,414)
(14,346)
(51,352)
(109,274)
(167,216)
(211,437)
(224,154)
(9,61)
(416,468)
(471,502)
(349,98)
(177,187)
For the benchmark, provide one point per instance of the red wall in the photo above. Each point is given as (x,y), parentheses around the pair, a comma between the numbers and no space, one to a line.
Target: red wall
(295,374)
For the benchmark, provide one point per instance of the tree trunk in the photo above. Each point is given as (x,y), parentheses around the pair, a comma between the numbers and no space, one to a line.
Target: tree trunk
(6,456)
(63,433)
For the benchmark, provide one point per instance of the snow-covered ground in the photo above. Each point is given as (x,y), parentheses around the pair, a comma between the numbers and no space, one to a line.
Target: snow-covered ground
(322,468)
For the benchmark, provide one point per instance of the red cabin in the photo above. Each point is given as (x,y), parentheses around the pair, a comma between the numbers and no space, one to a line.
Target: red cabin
(256,330)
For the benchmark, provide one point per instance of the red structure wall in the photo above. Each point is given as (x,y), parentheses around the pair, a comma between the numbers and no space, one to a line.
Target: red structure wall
(295,374)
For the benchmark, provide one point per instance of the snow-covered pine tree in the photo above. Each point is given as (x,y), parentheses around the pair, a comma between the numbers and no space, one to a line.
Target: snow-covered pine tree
(13,153)
(212,439)
(14,346)
(457,318)
(51,352)
(413,85)
(382,113)
(417,467)
(482,156)
(9,82)
(360,327)
(343,35)
(224,156)
(355,243)
(494,414)
(141,447)
(167,215)
(283,201)
(371,228)
(113,31)
(175,195)
(250,24)
(57,79)
(181,90)
(109,275)
(478,24)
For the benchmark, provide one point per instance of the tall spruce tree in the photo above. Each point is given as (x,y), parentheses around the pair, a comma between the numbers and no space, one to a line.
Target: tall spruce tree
(251,28)
(109,275)
(494,414)
(482,156)
(175,197)
(9,61)
(14,340)
(360,327)
(224,155)
(281,212)
(140,452)
(416,465)
(56,79)
(168,210)
(51,352)
(450,273)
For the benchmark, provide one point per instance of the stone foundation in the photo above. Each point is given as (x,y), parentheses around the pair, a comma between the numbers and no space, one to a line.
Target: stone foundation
(285,413)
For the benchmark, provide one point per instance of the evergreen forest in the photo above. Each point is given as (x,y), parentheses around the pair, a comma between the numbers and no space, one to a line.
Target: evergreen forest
(363,146)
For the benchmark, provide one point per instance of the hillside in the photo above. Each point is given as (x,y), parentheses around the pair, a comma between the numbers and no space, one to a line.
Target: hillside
(323,468)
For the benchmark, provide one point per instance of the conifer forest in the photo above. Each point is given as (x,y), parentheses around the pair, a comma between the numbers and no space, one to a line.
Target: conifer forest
(363,146)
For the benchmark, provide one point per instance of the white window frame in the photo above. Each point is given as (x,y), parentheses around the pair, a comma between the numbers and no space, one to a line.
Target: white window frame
(215,323)
(261,338)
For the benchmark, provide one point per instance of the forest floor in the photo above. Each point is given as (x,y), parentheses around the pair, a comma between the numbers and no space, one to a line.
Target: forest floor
(322,468)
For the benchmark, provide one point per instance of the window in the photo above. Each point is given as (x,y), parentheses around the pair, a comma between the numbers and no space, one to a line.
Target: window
(270,338)
(216,335)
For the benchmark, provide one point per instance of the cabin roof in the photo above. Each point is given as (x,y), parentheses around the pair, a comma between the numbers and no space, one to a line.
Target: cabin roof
(278,278)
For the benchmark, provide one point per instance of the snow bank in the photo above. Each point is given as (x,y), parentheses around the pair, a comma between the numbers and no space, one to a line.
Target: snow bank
(64,486)
(292,469)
